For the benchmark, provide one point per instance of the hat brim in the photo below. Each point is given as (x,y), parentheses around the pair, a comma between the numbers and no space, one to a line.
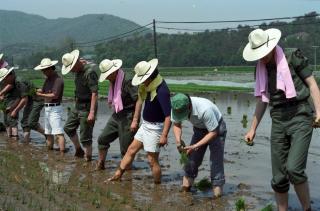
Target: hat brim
(1,55)
(104,76)
(137,80)
(39,67)
(250,54)
(179,116)
(7,73)
(65,70)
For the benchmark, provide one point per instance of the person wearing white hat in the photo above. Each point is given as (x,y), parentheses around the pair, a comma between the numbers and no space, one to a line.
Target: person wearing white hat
(52,92)
(122,98)
(3,63)
(153,132)
(20,95)
(86,95)
(285,82)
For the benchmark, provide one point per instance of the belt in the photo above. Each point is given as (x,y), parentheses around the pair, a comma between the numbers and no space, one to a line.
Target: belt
(51,104)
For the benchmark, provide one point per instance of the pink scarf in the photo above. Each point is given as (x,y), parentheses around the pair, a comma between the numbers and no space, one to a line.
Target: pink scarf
(284,78)
(4,64)
(114,96)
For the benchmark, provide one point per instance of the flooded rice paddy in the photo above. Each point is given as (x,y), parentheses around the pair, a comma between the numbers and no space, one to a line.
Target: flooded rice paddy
(31,178)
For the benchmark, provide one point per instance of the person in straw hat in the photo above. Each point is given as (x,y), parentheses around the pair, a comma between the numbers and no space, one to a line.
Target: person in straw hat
(52,92)
(20,95)
(209,130)
(284,81)
(122,97)
(153,132)
(86,95)
(3,63)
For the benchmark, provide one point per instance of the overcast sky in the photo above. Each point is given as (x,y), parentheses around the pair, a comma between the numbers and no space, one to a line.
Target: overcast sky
(143,11)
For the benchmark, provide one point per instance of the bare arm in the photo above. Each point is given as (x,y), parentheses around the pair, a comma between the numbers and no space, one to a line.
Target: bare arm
(23,101)
(93,104)
(205,140)
(136,115)
(6,89)
(258,114)
(177,131)
(315,94)
(165,131)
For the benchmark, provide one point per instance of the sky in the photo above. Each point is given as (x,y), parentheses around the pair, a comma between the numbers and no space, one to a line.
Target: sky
(144,11)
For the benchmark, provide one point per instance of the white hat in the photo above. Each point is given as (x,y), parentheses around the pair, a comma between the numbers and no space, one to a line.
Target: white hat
(143,71)
(1,55)
(45,63)
(4,72)
(69,60)
(108,66)
(261,43)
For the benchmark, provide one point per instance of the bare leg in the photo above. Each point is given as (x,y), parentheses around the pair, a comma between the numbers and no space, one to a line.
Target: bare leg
(26,136)
(303,194)
(14,133)
(79,151)
(9,132)
(88,152)
(153,158)
(102,158)
(217,191)
(187,182)
(127,160)
(282,201)
(50,142)
(61,142)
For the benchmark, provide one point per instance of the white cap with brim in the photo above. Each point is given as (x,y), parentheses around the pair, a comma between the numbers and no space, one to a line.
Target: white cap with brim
(68,61)
(4,72)
(107,67)
(261,43)
(143,70)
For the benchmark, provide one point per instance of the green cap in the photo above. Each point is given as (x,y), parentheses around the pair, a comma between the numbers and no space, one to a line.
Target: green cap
(180,105)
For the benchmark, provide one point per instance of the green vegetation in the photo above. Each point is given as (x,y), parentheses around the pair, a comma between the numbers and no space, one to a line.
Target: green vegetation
(240,204)
(183,158)
(203,184)
(267,208)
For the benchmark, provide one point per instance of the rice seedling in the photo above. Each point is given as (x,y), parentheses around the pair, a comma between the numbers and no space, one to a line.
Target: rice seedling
(183,158)
(229,110)
(203,184)
(267,208)
(240,204)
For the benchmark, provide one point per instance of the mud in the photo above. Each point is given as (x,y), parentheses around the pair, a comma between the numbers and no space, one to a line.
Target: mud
(31,178)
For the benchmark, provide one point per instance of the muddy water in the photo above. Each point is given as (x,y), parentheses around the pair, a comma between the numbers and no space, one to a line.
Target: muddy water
(247,169)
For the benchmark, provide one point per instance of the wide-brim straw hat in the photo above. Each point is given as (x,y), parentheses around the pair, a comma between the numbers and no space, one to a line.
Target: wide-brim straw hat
(107,67)
(46,63)
(1,55)
(68,61)
(261,43)
(4,72)
(143,70)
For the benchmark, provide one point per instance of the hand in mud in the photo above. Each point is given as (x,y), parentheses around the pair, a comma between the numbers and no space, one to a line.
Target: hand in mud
(163,140)
(134,126)
(316,122)
(190,149)
(249,137)
(181,147)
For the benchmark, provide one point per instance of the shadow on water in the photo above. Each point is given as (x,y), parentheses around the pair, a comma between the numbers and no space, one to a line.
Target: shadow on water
(47,180)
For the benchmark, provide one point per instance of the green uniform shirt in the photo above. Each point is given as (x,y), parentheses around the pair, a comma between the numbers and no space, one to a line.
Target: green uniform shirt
(21,88)
(299,69)
(86,83)
(129,93)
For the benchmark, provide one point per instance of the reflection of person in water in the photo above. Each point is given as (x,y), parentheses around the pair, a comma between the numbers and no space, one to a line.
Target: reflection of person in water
(284,81)
(209,130)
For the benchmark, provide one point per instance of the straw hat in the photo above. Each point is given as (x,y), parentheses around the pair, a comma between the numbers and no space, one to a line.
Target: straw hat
(45,63)
(108,66)
(143,70)
(261,42)
(69,60)
(4,72)
(1,55)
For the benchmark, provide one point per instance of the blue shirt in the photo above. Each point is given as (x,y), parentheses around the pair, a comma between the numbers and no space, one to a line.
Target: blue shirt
(158,109)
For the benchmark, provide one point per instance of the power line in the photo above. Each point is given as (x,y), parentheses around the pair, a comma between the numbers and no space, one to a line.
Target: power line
(113,36)
(233,28)
(239,21)
(114,39)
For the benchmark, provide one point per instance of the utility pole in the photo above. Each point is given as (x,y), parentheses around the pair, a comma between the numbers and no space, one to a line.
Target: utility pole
(315,56)
(155,39)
